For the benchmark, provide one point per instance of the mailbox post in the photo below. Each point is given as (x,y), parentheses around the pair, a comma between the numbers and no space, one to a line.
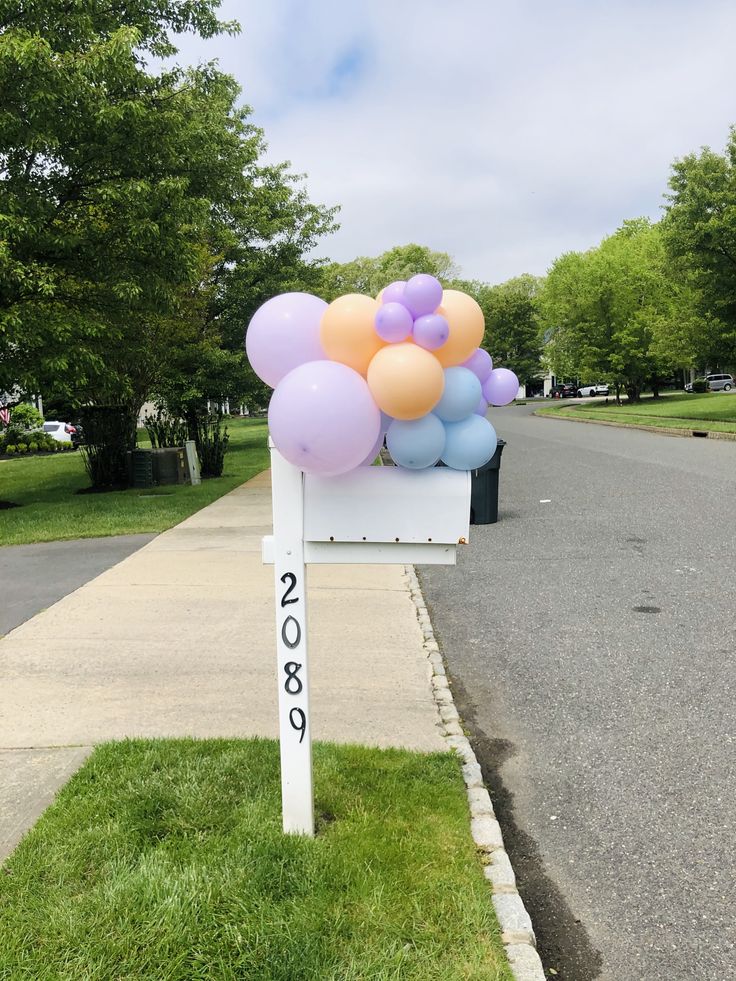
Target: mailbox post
(376,515)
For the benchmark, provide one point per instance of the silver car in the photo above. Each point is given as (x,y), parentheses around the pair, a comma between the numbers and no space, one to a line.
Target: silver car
(719,383)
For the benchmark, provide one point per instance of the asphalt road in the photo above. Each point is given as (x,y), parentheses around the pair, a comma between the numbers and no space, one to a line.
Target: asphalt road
(33,577)
(590,641)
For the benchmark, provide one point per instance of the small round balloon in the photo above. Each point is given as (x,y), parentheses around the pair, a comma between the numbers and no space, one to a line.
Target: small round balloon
(469,443)
(431,331)
(416,444)
(501,387)
(460,397)
(393,322)
(405,380)
(323,419)
(480,363)
(283,333)
(347,331)
(393,293)
(422,294)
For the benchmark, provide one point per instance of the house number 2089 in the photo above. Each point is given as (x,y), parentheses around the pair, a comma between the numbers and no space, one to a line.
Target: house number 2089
(291,635)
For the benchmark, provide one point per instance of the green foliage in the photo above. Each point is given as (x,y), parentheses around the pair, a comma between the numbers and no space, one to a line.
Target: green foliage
(212,438)
(512,333)
(22,448)
(610,313)
(369,276)
(165,430)
(10,449)
(26,416)
(700,385)
(109,432)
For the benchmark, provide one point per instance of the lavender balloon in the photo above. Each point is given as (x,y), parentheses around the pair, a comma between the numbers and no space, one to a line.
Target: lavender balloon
(375,450)
(322,418)
(480,363)
(501,387)
(422,294)
(431,331)
(394,292)
(393,322)
(283,334)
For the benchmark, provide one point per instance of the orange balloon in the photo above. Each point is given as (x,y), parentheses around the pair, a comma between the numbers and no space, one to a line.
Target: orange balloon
(466,322)
(348,333)
(405,380)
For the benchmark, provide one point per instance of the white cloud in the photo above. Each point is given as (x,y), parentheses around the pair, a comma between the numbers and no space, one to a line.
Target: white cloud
(504,134)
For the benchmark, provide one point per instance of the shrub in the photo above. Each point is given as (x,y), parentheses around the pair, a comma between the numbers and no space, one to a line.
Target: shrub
(165,431)
(109,432)
(26,416)
(33,447)
(212,441)
(10,450)
(700,385)
(22,447)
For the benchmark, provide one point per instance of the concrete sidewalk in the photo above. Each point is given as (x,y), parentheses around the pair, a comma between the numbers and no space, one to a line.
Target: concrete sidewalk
(178,640)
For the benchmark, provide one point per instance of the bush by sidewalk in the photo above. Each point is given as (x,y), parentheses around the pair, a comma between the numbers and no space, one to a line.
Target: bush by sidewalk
(166,860)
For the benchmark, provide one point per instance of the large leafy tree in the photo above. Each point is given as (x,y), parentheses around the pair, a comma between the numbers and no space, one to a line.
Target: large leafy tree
(370,275)
(613,313)
(699,230)
(512,324)
(137,222)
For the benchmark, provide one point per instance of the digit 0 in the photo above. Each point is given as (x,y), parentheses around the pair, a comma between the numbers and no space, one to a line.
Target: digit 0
(297,631)
(291,668)
(301,724)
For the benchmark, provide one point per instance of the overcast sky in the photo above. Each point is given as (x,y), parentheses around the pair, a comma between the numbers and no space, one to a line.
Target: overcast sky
(502,133)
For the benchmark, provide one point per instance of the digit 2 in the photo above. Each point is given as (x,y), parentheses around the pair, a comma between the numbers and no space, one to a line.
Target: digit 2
(284,599)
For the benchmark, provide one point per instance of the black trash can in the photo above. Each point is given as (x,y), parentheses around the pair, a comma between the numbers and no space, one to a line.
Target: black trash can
(484,490)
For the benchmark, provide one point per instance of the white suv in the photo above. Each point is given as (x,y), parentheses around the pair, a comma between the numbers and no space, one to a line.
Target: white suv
(588,390)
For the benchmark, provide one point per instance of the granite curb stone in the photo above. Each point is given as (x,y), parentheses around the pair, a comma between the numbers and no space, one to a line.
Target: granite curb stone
(517,932)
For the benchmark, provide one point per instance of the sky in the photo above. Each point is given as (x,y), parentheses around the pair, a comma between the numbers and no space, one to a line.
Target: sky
(503,133)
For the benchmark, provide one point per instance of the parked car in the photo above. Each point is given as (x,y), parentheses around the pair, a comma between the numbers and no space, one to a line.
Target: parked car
(562,391)
(62,432)
(714,383)
(586,391)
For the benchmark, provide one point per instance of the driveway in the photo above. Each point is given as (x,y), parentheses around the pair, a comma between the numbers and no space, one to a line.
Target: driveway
(590,637)
(34,577)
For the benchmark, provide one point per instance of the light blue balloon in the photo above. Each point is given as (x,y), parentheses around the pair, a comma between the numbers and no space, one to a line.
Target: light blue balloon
(416,443)
(469,443)
(461,395)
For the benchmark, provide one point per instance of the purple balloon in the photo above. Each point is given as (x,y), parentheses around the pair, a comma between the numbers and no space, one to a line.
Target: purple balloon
(322,418)
(422,294)
(480,363)
(368,462)
(481,408)
(393,322)
(283,334)
(501,387)
(394,292)
(431,331)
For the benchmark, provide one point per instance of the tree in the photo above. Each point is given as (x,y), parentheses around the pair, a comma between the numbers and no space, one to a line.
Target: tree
(699,229)
(512,324)
(369,276)
(612,313)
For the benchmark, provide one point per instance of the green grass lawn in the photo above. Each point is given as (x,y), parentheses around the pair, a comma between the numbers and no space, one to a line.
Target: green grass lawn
(46,488)
(712,411)
(165,860)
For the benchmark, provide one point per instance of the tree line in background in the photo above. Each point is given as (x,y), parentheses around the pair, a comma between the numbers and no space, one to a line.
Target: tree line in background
(141,227)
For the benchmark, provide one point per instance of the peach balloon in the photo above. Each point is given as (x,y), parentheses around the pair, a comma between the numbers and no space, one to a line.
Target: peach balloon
(347,331)
(467,325)
(406,381)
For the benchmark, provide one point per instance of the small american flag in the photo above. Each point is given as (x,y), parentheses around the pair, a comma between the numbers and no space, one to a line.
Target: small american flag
(5,416)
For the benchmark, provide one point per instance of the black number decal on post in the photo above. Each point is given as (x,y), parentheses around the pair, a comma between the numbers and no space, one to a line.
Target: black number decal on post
(291,668)
(301,724)
(291,644)
(285,600)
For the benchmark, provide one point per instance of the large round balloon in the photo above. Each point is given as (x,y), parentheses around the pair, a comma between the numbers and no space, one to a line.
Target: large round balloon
(348,331)
(283,333)
(405,380)
(417,443)
(501,387)
(323,419)
(460,397)
(469,443)
(466,322)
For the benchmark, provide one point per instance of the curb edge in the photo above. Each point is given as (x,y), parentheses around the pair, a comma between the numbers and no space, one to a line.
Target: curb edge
(517,932)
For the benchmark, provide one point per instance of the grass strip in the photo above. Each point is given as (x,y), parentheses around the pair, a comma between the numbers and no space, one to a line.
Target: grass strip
(51,509)
(711,412)
(164,859)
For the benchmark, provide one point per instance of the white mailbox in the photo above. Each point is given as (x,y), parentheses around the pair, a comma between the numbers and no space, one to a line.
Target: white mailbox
(370,515)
